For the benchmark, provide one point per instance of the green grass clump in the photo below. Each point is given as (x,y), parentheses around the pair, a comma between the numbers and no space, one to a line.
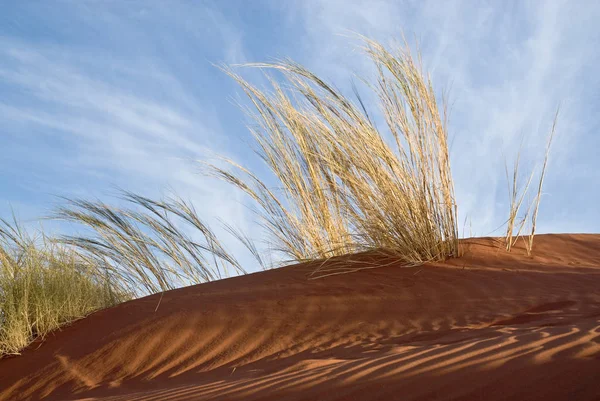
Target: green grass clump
(44,286)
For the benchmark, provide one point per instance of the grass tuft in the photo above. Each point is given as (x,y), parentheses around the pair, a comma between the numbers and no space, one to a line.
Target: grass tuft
(151,246)
(44,286)
(517,196)
(538,198)
(339,186)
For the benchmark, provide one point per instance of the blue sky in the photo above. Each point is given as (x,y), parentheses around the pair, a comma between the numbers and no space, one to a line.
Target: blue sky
(102,94)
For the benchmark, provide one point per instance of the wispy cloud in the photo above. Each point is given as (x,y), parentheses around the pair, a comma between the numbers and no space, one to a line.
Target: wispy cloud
(79,120)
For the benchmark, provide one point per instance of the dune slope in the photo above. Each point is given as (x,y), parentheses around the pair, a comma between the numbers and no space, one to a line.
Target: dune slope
(489,326)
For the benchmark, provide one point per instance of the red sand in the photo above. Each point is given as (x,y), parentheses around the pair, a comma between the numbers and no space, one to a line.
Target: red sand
(487,326)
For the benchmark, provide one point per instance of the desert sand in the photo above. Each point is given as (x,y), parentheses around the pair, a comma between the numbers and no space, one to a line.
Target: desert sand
(490,325)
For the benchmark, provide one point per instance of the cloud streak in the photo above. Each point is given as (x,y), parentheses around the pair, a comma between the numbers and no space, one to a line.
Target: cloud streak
(78,121)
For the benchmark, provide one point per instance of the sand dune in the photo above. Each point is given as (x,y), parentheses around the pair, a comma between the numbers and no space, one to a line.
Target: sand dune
(488,326)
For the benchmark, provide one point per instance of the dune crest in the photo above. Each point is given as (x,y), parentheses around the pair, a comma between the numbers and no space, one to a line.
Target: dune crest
(490,325)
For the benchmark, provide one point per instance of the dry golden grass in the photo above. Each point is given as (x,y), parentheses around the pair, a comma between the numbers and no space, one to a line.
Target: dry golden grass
(147,245)
(340,186)
(517,196)
(46,283)
(43,286)
(536,202)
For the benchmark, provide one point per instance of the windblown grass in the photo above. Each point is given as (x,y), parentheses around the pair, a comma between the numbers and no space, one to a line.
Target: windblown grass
(147,246)
(43,286)
(517,196)
(144,249)
(341,186)
(538,198)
